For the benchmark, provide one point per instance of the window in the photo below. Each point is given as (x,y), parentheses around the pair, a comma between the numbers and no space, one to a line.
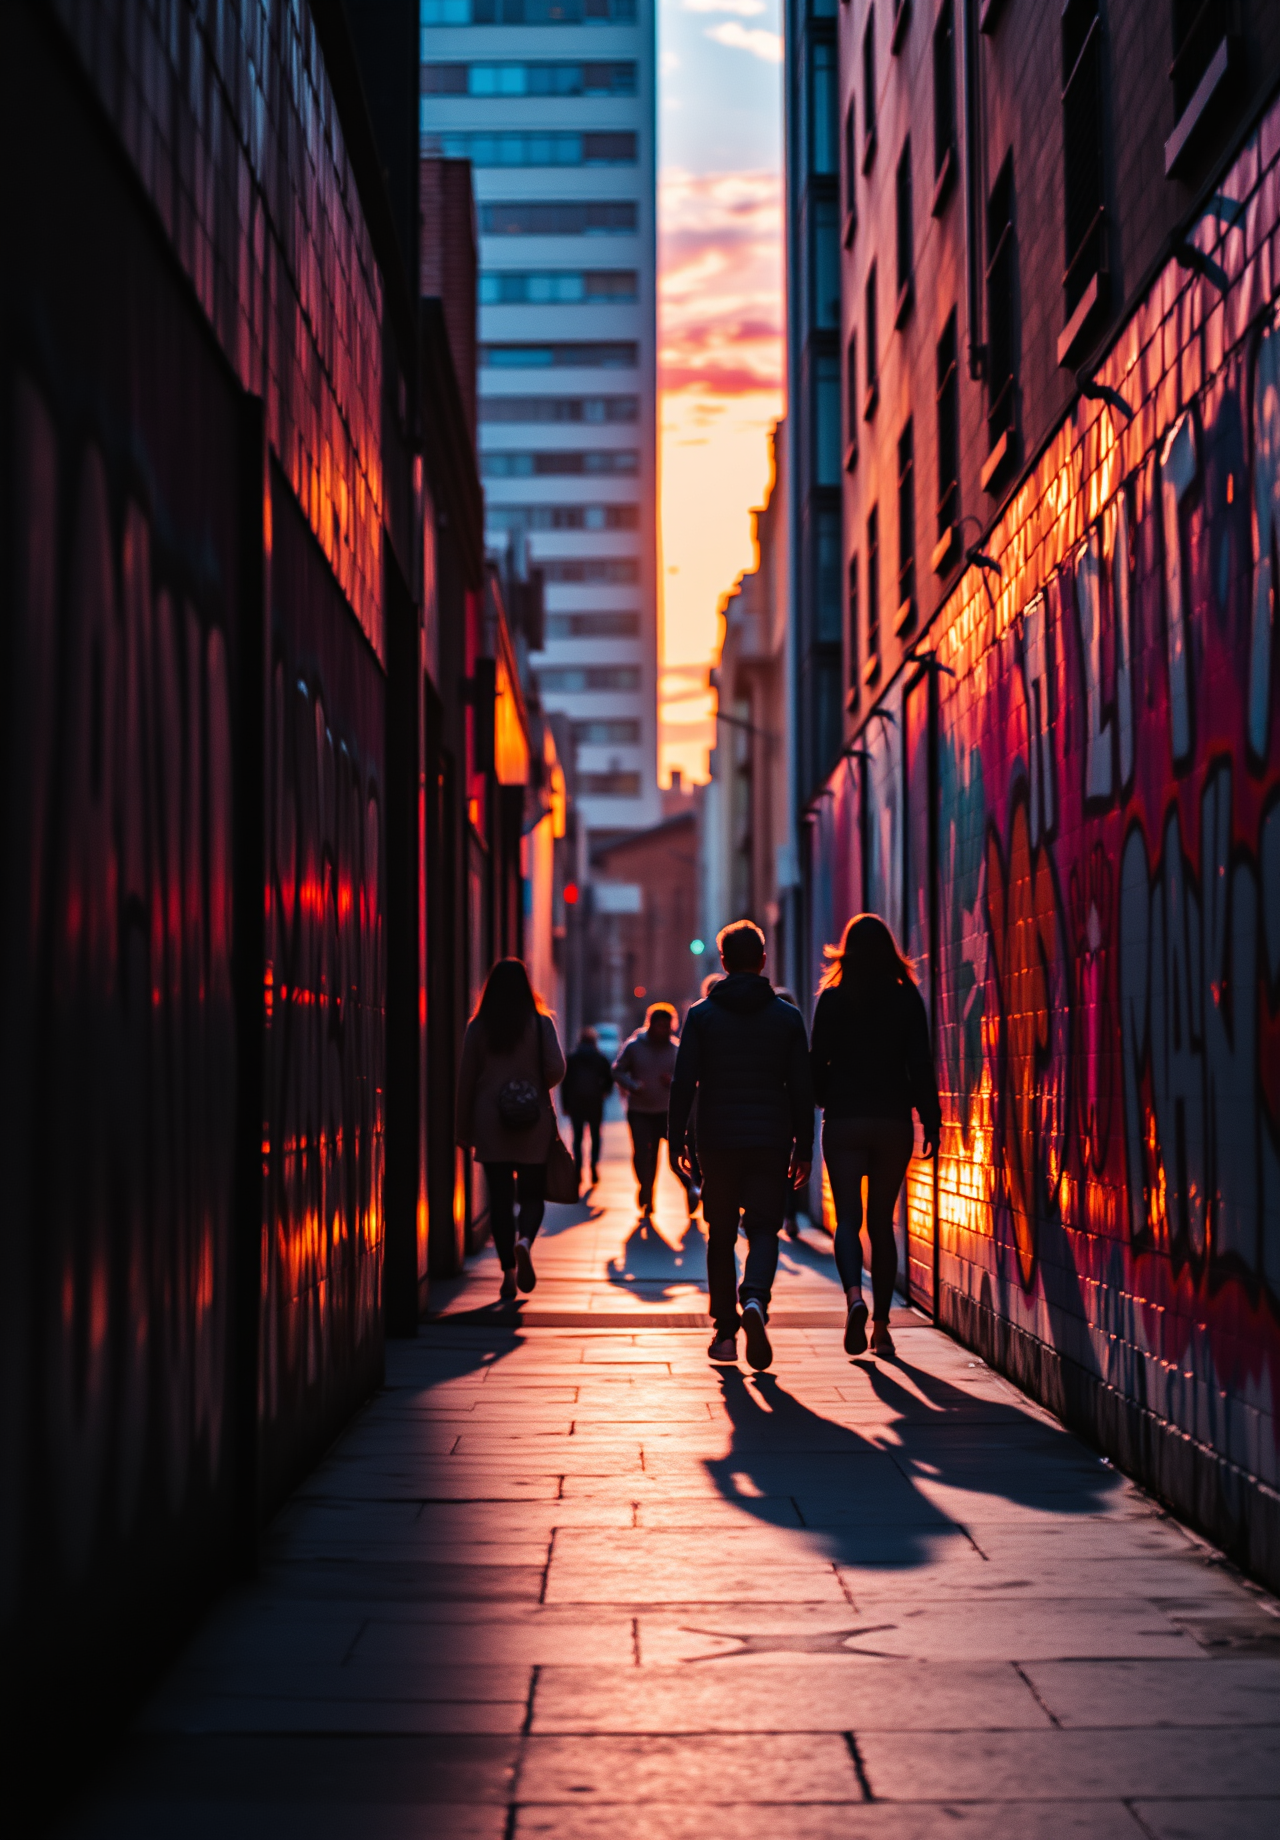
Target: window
(872,664)
(562,517)
(537,217)
(559,408)
(1000,327)
(823,115)
(826,419)
(944,105)
(869,91)
(828,612)
(948,430)
(612,79)
(1082,146)
(906,525)
(902,186)
(851,402)
(526,12)
(484,148)
(1199,29)
(593,626)
(618,572)
(621,355)
(624,732)
(558,462)
(850,171)
(572,679)
(566,287)
(872,396)
(825,264)
(615,785)
(852,633)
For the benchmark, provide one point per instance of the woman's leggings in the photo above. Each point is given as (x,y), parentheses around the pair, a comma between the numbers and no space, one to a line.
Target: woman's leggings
(502,1180)
(879,1149)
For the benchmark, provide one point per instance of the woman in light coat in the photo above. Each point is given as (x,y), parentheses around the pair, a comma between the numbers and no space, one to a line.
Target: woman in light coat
(511,1058)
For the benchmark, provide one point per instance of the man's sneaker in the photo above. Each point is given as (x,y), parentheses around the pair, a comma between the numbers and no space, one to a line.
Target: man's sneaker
(508,1290)
(855,1328)
(881,1340)
(759,1353)
(724,1348)
(526,1277)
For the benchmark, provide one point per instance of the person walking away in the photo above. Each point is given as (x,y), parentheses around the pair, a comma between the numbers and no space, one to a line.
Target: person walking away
(588,1081)
(872,1065)
(791,1213)
(643,1070)
(744,1058)
(511,1058)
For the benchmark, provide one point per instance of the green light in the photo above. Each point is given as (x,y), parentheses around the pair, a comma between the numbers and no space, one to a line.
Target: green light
(697,947)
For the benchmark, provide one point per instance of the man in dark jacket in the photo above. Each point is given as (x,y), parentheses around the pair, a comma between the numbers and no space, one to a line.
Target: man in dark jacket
(588,1081)
(744,1055)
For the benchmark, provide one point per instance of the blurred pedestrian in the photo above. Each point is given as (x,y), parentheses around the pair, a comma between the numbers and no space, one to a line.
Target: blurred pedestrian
(643,1070)
(791,1213)
(588,1081)
(511,1059)
(872,1065)
(744,1057)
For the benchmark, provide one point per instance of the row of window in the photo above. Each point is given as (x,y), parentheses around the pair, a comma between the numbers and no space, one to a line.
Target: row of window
(531,147)
(559,408)
(561,217)
(604,571)
(573,679)
(619,784)
(559,287)
(583,354)
(560,463)
(612,78)
(562,517)
(610,625)
(526,12)
(619,731)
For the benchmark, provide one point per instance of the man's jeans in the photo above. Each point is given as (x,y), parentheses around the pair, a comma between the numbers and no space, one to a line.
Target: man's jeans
(753,1184)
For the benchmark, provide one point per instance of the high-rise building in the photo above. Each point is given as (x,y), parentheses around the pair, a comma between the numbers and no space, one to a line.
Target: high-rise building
(553,102)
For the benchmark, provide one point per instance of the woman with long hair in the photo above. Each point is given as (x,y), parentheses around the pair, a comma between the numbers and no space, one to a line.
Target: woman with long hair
(872,1065)
(511,1058)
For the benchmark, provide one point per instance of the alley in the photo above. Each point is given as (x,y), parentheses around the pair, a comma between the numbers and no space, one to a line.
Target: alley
(563,1577)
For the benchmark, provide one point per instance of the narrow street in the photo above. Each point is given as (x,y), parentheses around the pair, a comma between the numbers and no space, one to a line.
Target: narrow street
(566,1578)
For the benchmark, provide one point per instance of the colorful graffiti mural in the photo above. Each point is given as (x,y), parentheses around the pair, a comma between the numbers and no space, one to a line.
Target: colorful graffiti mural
(1102,835)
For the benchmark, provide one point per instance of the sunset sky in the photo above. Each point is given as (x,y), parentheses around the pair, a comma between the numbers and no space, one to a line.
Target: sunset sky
(720,326)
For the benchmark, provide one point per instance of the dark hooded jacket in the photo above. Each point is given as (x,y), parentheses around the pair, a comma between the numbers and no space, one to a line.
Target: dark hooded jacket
(744,1053)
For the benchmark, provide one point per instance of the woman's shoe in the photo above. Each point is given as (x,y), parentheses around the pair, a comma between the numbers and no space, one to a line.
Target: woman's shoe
(724,1348)
(508,1290)
(526,1277)
(855,1328)
(881,1340)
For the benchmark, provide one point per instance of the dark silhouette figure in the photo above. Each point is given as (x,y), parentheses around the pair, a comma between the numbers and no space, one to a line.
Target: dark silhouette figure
(588,1081)
(872,1064)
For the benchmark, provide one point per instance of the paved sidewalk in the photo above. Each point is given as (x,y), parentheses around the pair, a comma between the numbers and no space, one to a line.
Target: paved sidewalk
(573,1581)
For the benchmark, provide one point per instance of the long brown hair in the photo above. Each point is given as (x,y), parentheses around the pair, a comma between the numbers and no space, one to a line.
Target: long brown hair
(507,1005)
(867,959)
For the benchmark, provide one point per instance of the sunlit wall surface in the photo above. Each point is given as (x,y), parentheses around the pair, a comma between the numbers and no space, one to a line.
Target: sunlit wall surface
(1077,835)
(553,103)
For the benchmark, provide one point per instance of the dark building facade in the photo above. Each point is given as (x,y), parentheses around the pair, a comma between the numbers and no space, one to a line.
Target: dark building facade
(1060,350)
(255,838)
(813,239)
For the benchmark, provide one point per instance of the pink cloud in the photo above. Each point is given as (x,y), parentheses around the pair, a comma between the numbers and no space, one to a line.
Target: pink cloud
(720,287)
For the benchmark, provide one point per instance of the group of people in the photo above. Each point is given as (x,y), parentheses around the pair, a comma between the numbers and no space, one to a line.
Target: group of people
(734,1095)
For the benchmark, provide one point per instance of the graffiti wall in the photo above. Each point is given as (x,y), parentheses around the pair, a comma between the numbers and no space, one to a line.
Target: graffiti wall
(1089,880)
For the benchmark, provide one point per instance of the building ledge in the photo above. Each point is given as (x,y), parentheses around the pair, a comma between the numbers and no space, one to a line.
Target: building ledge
(906,300)
(901,20)
(871,401)
(945,551)
(851,457)
(994,462)
(871,669)
(1074,330)
(1194,114)
(850,228)
(905,615)
(869,151)
(942,185)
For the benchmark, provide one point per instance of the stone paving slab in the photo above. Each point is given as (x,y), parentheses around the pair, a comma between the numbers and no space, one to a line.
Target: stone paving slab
(564,1578)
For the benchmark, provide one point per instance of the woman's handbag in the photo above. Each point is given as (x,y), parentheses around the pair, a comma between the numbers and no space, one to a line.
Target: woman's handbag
(562,1176)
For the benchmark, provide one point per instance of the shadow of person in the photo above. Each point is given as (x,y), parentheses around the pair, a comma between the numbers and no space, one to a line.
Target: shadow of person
(649,1266)
(872,1497)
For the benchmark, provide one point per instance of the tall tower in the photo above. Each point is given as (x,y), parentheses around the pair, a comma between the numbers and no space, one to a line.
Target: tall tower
(554,103)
